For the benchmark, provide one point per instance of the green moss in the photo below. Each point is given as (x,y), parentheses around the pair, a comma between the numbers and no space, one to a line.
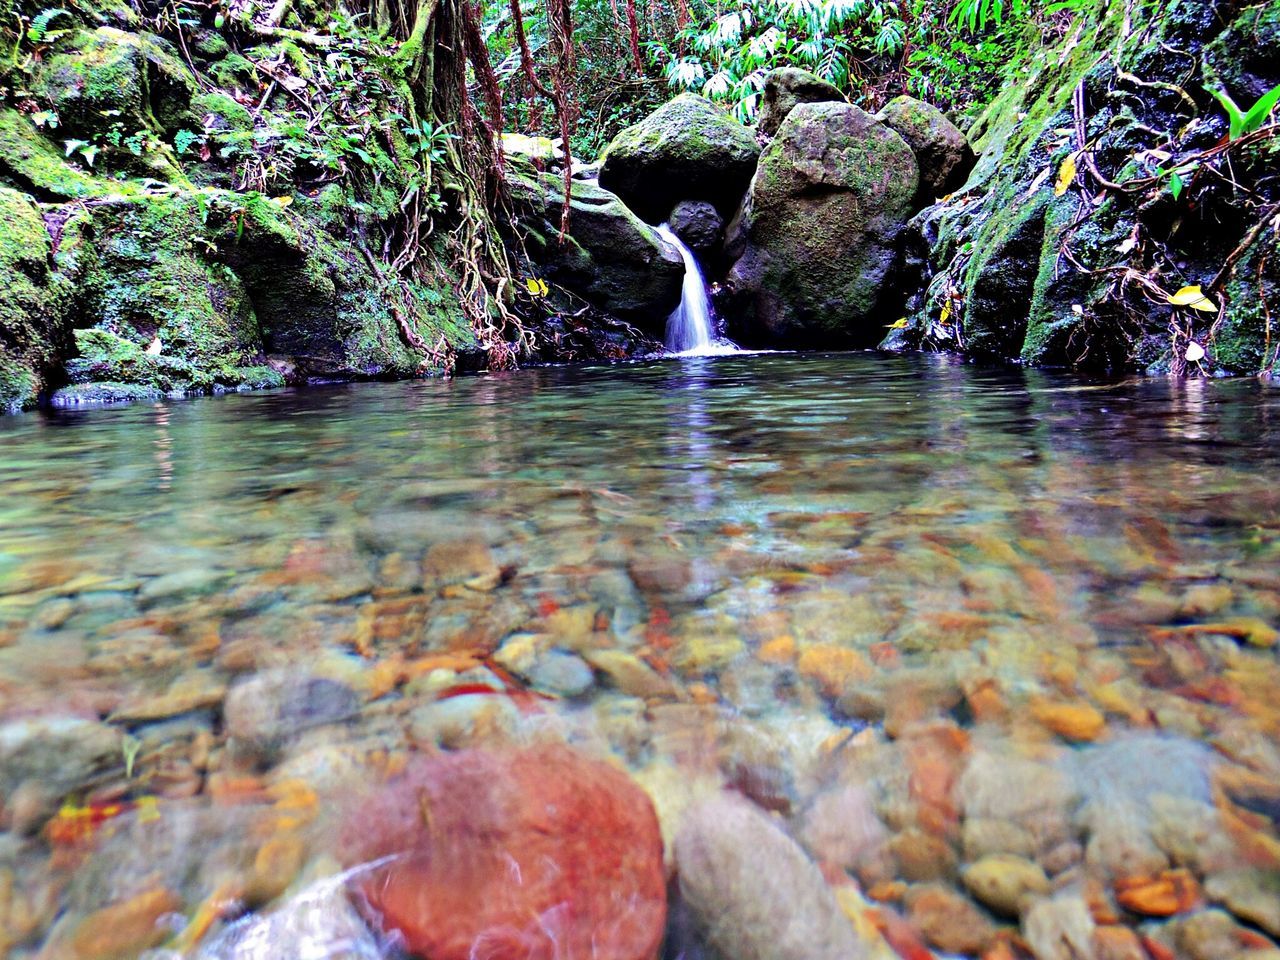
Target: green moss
(31,162)
(1248,336)
(32,309)
(227,113)
(80,394)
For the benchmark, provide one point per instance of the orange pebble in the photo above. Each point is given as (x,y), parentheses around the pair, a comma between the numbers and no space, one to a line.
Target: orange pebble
(1071,721)
(781,650)
(888,891)
(1171,892)
(833,668)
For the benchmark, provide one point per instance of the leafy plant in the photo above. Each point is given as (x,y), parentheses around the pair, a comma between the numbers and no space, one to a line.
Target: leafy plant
(1242,122)
(38,30)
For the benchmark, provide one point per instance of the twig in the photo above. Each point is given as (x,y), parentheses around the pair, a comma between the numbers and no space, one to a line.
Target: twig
(1255,231)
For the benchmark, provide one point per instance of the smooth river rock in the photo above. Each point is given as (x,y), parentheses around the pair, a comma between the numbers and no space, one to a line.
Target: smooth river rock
(752,889)
(534,853)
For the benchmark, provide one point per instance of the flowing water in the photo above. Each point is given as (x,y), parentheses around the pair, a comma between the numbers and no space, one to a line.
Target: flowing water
(997,649)
(690,329)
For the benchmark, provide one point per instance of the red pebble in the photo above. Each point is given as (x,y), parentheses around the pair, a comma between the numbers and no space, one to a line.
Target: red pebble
(534,853)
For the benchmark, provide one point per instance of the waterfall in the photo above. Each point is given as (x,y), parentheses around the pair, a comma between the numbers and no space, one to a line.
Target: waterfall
(689,326)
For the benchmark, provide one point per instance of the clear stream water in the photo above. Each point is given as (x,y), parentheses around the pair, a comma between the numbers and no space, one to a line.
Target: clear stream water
(925,613)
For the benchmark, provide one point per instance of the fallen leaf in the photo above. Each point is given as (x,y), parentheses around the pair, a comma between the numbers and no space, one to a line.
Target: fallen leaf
(1193,297)
(946,313)
(1066,174)
(1195,352)
(1077,310)
(1038,182)
(898,324)
(154,348)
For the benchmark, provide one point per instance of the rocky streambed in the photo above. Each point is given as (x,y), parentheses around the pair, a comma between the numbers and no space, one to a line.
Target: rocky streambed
(758,658)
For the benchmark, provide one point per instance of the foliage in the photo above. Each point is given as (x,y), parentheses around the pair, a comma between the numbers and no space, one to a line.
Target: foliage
(1244,122)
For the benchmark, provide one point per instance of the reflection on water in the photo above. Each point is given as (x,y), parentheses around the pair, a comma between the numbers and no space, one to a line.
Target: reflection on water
(928,657)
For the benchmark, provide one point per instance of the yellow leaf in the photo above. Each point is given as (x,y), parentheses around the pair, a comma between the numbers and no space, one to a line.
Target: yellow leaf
(1195,352)
(1066,175)
(946,313)
(282,201)
(536,287)
(898,324)
(1194,298)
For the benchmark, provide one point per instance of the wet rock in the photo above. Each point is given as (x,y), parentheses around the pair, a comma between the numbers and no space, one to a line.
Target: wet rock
(1253,895)
(698,224)
(1208,935)
(57,753)
(630,675)
(922,856)
(120,931)
(1060,928)
(611,257)
(1005,883)
(817,236)
(561,673)
(458,562)
(1076,722)
(841,827)
(687,149)
(1114,942)
(181,584)
(834,669)
(752,889)
(786,87)
(985,836)
(942,151)
(536,851)
(948,920)
(262,713)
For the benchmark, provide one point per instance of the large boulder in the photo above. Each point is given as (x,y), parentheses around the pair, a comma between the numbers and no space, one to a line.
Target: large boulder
(784,88)
(184,292)
(33,332)
(610,257)
(942,151)
(687,149)
(817,236)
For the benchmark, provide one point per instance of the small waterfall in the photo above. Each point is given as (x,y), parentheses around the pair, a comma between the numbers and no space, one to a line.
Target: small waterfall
(689,326)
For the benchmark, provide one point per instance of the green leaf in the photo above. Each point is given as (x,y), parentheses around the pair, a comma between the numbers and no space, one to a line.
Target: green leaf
(1175,185)
(1235,115)
(1258,113)
(73,145)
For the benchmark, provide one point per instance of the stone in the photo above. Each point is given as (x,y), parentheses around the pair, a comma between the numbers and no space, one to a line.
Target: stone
(1076,722)
(561,673)
(1161,895)
(698,224)
(817,237)
(687,149)
(120,931)
(1059,928)
(948,920)
(1252,895)
(458,562)
(941,150)
(841,827)
(629,674)
(610,257)
(58,752)
(536,852)
(1005,883)
(922,856)
(834,669)
(784,88)
(265,711)
(754,893)
(1114,942)
(32,315)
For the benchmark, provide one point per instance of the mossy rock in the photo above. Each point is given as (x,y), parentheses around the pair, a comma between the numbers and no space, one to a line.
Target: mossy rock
(687,149)
(194,292)
(818,235)
(1247,340)
(107,85)
(33,334)
(942,151)
(786,87)
(610,258)
(1243,57)
(222,112)
(30,162)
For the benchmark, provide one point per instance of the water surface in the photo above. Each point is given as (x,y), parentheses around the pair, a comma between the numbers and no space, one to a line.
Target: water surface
(924,613)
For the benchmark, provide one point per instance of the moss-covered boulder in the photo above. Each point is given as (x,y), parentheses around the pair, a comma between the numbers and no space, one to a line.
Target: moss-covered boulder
(687,149)
(942,151)
(610,257)
(31,163)
(817,238)
(33,333)
(198,291)
(122,91)
(698,224)
(784,88)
